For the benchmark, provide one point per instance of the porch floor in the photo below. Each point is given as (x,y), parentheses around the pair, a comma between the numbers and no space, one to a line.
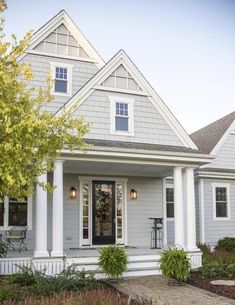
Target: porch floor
(85,252)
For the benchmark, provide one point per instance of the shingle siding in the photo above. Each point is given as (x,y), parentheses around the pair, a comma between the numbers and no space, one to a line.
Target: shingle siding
(225,157)
(149,126)
(81,73)
(216,229)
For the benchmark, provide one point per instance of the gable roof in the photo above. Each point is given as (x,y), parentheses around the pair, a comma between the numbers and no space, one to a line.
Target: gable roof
(63,18)
(208,137)
(121,58)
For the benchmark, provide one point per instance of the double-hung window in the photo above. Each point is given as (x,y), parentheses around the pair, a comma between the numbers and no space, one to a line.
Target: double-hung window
(15,213)
(170,202)
(221,198)
(121,115)
(62,75)
(61,80)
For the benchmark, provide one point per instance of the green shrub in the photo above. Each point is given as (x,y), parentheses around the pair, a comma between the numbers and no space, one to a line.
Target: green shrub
(3,249)
(214,269)
(41,284)
(227,243)
(174,263)
(6,293)
(113,261)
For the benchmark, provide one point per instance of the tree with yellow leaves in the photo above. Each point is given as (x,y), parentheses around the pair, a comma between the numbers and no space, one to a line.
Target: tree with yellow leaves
(29,135)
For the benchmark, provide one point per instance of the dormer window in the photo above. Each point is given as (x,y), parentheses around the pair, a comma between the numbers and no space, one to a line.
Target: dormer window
(121,116)
(62,75)
(61,80)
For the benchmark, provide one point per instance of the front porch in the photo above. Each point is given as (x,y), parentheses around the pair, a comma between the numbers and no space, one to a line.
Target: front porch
(141,261)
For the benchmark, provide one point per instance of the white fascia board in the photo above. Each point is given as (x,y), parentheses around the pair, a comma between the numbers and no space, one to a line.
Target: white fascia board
(50,26)
(216,175)
(195,160)
(229,131)
(122,58)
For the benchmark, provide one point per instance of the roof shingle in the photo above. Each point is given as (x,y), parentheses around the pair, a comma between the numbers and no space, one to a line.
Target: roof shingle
(207,137)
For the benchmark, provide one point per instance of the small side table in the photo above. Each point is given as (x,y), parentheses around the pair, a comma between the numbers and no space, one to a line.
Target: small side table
(157,233)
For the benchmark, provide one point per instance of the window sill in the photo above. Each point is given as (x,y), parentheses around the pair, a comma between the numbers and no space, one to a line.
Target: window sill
(61,94)
(221,218)
(11,227)
(122,133)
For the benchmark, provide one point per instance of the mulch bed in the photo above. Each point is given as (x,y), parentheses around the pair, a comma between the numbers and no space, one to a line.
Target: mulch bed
(198,281)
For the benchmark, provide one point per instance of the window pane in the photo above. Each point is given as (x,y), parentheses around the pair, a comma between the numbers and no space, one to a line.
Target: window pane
(17,213)
(121,124)
(1,212)
(60,86)
(221,209)
(221,194)
(170,202)
(170,210)
(122,109)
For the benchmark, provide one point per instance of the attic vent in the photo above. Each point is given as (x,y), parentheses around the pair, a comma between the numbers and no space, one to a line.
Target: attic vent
(60,41)
(120,78)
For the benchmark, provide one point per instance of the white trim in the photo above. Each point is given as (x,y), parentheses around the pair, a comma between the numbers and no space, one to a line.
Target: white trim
(30,213)
(223,139)
(216,175)
(88,179)
(122,58)
(127,91)
(77,58)
(56,21)
(201,211)
(113,100)
(164,212)
(69,67)
(227,186)
(146,156)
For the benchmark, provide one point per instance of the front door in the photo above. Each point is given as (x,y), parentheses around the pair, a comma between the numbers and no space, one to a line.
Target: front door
(103,212)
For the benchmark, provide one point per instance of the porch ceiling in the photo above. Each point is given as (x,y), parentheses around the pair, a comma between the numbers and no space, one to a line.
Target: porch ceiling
(115,169)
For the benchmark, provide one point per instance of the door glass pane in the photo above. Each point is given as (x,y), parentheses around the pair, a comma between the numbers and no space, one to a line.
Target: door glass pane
(119,199)
(103,209)
(85,193)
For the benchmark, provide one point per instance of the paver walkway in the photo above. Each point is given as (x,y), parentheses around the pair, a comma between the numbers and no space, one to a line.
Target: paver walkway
(157,289)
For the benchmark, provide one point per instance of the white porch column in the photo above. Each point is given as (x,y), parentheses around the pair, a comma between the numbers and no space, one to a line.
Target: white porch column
(41,220)
(57,211)
(191,213)
(179,207)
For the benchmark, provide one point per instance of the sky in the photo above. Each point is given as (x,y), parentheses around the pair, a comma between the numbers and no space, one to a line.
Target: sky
(185,48)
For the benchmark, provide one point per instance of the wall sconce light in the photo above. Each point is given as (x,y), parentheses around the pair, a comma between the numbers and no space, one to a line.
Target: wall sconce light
(133,194)
(73,192)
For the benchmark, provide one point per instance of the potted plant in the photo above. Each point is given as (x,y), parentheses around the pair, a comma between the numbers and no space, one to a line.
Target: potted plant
(113,261)
(175,265)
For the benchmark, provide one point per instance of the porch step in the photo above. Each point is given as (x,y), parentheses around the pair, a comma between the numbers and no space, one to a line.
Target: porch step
(138,265)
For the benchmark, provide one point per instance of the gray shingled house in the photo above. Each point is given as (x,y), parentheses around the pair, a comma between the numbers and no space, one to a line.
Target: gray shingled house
(215,182)
(108,195)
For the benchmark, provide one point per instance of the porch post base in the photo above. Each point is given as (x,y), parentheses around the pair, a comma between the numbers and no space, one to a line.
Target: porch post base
(195,257)
(57,254)
(38,253)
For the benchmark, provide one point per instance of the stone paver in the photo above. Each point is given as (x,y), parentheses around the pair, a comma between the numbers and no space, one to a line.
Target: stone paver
(157,289)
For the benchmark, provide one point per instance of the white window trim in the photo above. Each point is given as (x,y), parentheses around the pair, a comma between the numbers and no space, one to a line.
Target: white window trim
(227,186)
(6,226)
(130,102)
(69,67)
